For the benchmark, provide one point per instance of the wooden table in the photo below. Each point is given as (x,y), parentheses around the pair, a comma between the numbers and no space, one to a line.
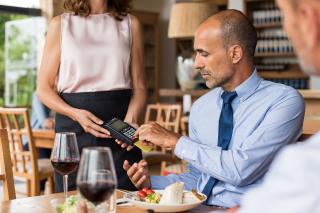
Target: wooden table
(41,204)
(43,138)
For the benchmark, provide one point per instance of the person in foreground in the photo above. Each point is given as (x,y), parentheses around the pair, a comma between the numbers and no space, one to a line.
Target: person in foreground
(237,127)
(292,184)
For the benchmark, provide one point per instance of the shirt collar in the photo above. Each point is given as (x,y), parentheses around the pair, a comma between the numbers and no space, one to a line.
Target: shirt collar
(248,87)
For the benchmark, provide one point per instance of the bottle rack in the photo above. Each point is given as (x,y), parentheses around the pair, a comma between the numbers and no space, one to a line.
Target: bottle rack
(275,58)
(150,29)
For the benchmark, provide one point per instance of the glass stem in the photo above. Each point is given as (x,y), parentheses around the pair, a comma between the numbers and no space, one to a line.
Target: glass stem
(65,186)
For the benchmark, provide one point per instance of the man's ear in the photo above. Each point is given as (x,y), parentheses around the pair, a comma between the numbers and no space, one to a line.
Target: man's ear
(236,53)
(309,22)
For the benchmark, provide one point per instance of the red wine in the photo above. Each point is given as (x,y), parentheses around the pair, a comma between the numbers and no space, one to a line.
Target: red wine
(65,167)
(97,192)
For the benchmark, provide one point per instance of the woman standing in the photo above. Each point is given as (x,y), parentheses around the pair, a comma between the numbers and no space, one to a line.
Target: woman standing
(95,56)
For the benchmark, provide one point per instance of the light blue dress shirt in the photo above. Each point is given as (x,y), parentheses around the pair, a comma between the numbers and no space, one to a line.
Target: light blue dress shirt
(267,116)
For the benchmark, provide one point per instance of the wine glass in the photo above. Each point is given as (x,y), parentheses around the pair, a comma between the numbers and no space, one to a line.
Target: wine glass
(97,179)
(65,156)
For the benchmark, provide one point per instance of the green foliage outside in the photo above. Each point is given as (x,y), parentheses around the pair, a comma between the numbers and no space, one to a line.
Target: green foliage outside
(14,52)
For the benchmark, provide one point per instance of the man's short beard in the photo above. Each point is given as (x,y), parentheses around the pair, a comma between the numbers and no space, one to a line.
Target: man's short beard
(222,82)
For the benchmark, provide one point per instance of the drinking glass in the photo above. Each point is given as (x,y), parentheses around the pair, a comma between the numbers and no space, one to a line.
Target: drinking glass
(97,179)
(65,156)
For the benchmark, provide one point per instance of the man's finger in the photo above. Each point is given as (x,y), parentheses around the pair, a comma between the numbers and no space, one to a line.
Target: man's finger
(146,143)
(140,182)
(141,129)
(136,177)
(143,163)
(132,170)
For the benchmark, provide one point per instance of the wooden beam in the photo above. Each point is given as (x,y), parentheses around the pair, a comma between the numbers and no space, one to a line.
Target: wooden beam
(51,8)
(217,2)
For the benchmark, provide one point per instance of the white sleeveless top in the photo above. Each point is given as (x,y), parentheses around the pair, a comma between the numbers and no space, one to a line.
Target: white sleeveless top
(95,53)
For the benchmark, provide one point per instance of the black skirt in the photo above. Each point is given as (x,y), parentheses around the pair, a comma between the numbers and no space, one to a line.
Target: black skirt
(104,105)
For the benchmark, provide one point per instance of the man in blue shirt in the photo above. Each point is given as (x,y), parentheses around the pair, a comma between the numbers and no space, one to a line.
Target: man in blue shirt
(236,128)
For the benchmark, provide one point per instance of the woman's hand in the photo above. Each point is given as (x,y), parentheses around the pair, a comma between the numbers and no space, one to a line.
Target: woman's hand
(91,124)
(124,145)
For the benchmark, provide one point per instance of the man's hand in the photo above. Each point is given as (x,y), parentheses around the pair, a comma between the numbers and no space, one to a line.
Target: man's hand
(91,124)
(138,174)
(157,135)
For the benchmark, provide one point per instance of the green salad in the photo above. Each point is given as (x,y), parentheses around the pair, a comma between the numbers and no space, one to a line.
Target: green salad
(70,205)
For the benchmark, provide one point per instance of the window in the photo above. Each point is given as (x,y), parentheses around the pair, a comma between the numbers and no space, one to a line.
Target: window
(20,47)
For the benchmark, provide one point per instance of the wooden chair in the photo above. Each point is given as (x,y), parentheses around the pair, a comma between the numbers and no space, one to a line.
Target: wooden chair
(184,125)
(26,164)
(6,175)
(168,116)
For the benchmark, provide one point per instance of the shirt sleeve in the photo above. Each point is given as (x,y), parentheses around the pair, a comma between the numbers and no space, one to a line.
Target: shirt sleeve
(249,160)
(190,179)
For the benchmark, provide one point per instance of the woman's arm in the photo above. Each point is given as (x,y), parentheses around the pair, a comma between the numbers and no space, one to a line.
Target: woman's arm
(138,100)
(46,83)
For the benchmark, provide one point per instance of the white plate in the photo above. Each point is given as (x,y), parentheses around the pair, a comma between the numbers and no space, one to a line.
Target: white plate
(189,202)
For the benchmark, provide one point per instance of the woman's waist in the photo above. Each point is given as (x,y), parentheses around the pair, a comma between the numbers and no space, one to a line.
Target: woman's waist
(97,96)
(104,104)
(78,88)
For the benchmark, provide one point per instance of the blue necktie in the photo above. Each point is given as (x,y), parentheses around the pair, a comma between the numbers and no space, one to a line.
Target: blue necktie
(225,133)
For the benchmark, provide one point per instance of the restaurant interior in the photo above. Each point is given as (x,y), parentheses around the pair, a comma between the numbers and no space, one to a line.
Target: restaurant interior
(173,84)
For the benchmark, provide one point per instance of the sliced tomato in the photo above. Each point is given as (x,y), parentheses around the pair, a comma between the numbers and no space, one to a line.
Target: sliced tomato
(142,194)
(145,189)
(150,192)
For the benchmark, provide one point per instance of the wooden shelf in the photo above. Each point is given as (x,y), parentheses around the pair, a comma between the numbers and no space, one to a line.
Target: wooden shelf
(310,94)
(287,74)
(293,76)
(150,26)
(272,54)
(165,92)
(180,93)
(271,25)
(217,2)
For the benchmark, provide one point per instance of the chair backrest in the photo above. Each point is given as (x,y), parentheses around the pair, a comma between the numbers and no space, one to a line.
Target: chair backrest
(167,115)
(6,167)
(16,121)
